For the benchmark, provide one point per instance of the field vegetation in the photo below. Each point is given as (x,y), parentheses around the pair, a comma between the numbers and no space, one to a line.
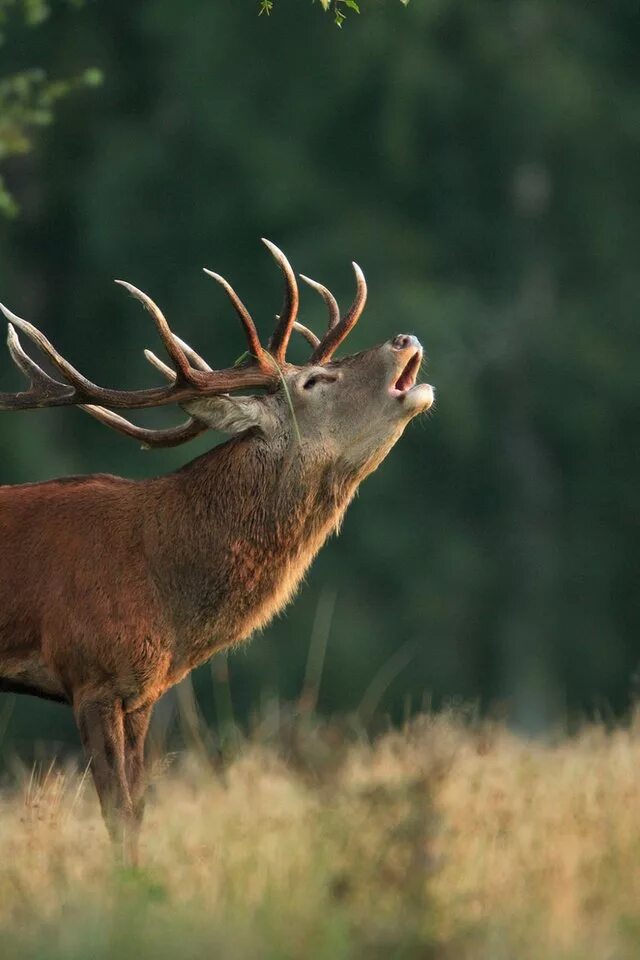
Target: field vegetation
(448,838)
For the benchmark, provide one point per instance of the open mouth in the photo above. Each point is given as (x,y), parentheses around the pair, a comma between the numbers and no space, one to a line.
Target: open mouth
(407,378)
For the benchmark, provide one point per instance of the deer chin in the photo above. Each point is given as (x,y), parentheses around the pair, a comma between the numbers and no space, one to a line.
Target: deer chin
(418,399)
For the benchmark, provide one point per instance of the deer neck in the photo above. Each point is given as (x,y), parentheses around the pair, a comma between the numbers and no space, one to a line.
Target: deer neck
(240,527)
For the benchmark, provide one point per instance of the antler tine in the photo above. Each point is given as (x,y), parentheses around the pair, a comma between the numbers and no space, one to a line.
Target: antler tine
(329,299)
(195,358)
(190,352)
(309,335)
(169,437)
(255,347)
(50,392)
(159,365)
(335,335)
(41,384)
(170,341)
(280,339)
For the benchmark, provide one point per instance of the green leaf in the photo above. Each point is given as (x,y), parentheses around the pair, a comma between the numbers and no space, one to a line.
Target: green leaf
(93,77)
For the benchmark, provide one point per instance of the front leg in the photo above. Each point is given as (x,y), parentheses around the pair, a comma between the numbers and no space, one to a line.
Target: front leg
(136,725)
(100,720)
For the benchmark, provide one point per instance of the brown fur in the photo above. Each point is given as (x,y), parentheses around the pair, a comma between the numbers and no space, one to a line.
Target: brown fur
(132,584)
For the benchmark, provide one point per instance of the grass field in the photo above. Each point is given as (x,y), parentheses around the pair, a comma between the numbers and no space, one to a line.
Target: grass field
(445,840)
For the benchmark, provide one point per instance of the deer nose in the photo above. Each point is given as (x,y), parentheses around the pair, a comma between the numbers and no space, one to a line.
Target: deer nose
(404,340)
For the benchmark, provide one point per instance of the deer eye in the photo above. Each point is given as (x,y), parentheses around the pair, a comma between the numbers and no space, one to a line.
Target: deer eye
(316,378)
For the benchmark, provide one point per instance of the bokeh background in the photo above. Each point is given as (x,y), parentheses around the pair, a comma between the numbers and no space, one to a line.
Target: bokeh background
(480,160)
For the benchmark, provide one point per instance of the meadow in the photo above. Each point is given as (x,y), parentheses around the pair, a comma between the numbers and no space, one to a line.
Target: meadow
(448,838)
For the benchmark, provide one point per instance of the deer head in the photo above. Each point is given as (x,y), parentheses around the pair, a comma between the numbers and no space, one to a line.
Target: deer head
(351,410)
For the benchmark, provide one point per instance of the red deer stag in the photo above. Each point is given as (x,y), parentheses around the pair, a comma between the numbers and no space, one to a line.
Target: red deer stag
(112,590)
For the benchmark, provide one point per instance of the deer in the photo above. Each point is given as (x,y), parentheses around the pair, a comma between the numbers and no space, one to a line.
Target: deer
(113,590)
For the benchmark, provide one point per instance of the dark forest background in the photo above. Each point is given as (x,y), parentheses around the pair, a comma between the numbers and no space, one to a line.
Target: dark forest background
(481,161)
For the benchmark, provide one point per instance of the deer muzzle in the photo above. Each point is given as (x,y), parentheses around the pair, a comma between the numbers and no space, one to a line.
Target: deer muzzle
(408,355)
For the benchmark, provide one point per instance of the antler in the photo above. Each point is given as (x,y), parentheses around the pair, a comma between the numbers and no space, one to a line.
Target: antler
(287,319)
(338,329)
(171,437)
(192,377)
(189,383)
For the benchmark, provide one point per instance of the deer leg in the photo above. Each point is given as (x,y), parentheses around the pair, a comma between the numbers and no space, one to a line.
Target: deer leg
(136,725)
(101,726)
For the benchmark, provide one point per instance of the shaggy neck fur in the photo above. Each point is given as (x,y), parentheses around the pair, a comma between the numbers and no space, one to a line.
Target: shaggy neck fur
(250,517)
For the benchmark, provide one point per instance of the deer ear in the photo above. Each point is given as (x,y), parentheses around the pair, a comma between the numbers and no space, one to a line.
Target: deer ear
(234,414)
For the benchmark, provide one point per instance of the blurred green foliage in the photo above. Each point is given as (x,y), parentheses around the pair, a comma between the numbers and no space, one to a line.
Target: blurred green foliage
(337,8)
(28,97)
(479,159)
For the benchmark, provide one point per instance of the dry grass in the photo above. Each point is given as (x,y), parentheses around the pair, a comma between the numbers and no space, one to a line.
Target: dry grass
(444,840)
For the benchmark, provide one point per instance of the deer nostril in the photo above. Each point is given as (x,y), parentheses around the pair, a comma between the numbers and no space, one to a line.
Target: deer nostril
(402,341)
